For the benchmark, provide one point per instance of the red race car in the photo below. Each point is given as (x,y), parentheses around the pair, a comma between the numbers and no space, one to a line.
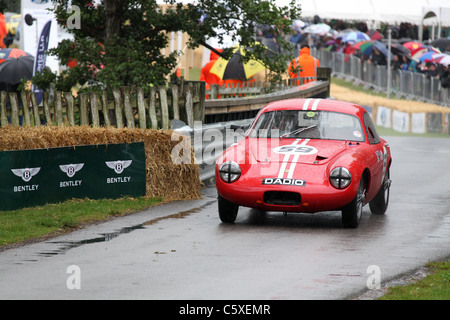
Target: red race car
(306,155)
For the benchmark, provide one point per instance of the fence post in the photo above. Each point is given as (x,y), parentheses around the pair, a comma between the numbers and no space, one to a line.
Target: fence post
(324,74)
(14,109)
(4,117)
(84,116)
(26,109)
(58,108)
(70,108)
(105,109)
(152,108)
(127,107)
(94,110)
(164,107)
(48,116)
(175,102)
(37,117)
(199,97)
(189,107)
(141,108)
(118,107)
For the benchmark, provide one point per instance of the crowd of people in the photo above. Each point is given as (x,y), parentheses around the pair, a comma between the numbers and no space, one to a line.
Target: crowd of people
(405,32)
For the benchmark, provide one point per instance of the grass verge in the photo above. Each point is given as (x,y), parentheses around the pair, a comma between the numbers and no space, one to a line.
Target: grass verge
(37,223)
(435,286)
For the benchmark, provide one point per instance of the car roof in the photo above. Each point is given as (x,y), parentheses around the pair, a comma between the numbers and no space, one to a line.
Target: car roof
(315,104)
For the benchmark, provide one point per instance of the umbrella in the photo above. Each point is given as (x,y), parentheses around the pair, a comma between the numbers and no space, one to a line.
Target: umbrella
(426,57)
(375,35)
(400,50)
(320,28)
(436,57)
(416,54)
(11,53)
(235,68)
(364,45)
(298,25)
(443,44)
(355,36)
(411,46)
(13,70)
(380,46)
(444,60)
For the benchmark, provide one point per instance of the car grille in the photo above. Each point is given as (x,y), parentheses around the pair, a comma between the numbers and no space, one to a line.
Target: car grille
(284,198)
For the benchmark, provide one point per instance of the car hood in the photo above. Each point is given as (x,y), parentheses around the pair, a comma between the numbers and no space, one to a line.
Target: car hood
(306,151)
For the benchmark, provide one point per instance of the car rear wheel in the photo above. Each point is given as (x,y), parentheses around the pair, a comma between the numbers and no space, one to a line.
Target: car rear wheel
(227,210)
(351,213)
(379,204)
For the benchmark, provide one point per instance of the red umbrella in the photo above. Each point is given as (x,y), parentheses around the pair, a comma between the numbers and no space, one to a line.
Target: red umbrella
(412,46)
(375,35)
(11,53)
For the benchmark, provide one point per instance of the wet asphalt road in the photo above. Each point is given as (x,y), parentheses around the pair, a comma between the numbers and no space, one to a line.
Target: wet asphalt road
(182,250)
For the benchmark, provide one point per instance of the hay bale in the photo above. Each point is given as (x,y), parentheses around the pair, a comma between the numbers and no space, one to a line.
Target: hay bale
(164,178)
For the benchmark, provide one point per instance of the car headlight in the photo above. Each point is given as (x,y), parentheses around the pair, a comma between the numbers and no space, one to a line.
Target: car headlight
(340,178)
(229,171)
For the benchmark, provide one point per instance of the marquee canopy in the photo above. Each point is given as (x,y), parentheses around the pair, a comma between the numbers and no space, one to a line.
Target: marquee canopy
(387,11)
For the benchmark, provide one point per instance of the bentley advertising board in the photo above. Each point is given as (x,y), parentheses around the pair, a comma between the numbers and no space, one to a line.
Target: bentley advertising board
(36,177)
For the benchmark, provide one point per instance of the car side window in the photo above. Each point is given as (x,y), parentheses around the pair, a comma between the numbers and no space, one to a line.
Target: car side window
(372,133)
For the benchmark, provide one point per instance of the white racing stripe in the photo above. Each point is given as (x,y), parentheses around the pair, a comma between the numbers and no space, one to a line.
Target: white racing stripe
(305,105)
(296,155)
(286,160)
(315,104)
(295,159)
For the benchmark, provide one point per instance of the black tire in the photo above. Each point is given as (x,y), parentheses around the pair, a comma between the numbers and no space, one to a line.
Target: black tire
(227,210)
(351,213)
(379,204)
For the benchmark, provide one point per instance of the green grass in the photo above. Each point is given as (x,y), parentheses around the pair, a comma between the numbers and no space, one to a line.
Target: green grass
(435,286)
(20,226)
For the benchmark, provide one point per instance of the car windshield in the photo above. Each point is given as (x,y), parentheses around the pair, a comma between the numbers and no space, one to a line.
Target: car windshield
(308,124)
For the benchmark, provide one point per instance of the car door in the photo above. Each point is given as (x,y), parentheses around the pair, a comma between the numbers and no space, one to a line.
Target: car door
(379,153)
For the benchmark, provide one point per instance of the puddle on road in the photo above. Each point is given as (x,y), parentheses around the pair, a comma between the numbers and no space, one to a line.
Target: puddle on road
(67,245)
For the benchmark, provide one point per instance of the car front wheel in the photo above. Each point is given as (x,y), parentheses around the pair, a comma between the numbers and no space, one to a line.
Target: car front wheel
(227,210)
(351,213)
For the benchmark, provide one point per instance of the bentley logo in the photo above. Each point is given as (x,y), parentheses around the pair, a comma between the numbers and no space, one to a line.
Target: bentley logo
(119,165)
(26,174)
(71,169)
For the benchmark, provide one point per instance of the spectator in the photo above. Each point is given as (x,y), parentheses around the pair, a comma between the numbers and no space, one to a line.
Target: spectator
(444,76)
(432,70)
(304,66)
(377,58)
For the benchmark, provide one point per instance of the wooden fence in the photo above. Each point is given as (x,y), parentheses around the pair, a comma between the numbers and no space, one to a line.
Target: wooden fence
(129,107)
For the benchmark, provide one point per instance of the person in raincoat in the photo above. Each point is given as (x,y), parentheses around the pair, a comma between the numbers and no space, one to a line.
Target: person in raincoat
(304,66)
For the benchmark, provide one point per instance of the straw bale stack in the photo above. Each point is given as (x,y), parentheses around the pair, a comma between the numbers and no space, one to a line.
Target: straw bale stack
(164,178)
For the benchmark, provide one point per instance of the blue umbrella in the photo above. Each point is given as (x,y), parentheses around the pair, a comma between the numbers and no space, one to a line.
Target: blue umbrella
(355,36)
(381,47)
(427,56)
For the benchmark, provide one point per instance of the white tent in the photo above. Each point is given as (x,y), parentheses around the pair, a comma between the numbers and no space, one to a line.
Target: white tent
(439,10)
(419,12)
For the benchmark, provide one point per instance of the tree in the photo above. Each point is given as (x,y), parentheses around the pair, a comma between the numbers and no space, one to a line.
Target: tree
(119,42)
